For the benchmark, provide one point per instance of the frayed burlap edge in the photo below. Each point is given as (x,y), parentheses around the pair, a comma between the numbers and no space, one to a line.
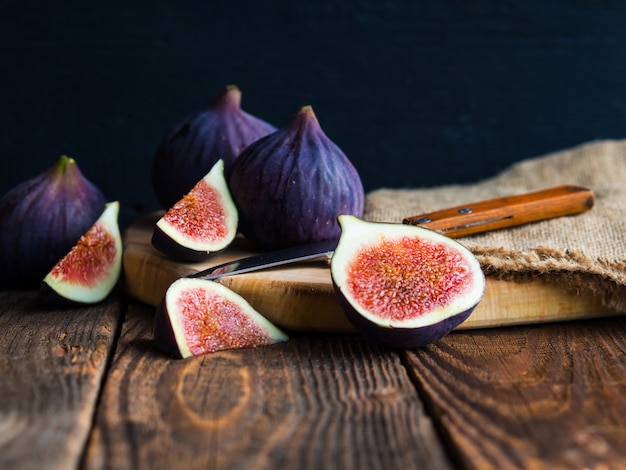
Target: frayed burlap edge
(602,279)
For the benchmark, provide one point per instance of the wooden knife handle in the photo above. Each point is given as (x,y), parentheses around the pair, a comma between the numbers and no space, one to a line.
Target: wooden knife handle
(508,211)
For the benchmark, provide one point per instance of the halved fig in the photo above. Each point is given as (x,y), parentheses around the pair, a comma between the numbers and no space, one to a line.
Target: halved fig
(90,270)
(199,317)
(402,285)
(203,222)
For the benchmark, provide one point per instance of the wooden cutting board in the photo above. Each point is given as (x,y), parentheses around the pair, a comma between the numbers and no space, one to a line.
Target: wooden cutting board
(300,296)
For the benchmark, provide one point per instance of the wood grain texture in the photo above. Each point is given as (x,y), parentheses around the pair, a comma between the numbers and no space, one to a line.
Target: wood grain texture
(52,362)
(301,297)
(537,397)
(332,402)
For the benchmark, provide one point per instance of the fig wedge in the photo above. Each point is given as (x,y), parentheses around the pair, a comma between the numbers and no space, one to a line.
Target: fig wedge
(91,269)
(203,222)
(199,317)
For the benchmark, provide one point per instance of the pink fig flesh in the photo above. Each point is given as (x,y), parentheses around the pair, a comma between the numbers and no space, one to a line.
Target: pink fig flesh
(203,222)
(199,317)
(90,270)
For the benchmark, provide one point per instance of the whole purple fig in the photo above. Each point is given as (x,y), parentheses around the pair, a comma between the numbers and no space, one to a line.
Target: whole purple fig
(187,153)
(290,186)
(42,218)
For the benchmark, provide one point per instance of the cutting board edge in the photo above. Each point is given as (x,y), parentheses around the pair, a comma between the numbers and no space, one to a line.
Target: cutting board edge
(315,307)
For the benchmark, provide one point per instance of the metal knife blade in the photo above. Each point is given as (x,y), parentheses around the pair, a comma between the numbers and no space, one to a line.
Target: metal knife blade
(454,222)
(270,259)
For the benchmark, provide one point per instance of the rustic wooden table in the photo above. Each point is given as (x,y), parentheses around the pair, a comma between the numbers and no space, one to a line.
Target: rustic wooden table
(85,388)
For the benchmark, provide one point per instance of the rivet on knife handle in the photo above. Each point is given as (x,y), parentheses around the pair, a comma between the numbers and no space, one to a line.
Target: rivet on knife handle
(508,211)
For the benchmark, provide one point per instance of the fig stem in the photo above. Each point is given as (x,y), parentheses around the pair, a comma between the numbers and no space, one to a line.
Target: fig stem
(63,163)
(307,109)
(229,97)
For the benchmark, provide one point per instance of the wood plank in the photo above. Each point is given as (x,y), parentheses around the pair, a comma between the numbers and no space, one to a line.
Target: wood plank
(51,362)
(301,296)
(332,402)
(534,397)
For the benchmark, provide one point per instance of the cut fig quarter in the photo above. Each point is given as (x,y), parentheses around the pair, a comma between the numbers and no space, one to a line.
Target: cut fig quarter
(90,270)
(402,285)
(198,317)
(200,224)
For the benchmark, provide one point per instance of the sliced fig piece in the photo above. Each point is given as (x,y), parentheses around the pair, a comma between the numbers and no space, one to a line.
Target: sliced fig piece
(403,286)
(199,317)
(203,222)
(90,270)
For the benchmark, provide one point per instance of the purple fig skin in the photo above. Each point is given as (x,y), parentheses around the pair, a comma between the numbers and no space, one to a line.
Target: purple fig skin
(400,338)
(164,338)
(191,149)
(42,218)
(290,186)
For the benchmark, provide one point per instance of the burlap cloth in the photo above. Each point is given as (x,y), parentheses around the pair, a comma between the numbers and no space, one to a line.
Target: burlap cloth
(585,251)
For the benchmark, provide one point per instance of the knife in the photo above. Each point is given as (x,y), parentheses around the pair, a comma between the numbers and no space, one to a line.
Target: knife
(454,222)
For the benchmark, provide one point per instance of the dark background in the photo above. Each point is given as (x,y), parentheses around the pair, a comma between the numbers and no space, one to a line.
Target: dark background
(417,94)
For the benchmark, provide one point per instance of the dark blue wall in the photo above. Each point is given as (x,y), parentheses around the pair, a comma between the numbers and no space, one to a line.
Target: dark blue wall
(416,93)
